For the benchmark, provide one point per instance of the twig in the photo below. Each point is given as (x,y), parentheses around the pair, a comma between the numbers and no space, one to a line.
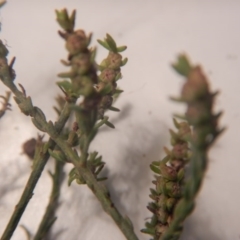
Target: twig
(49,216)
(39,164)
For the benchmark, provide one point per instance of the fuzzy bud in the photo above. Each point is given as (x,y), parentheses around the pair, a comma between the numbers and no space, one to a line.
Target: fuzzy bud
(173,189)
(107,75)
(180,150)
(196,85)
(76,42)
(81,64)
(114,60)
(168,172)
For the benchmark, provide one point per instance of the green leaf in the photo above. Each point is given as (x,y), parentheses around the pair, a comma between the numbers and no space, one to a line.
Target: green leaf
(111,43)
(92,156)
(93,55)
(156,163)
(122,48)
(66,75)
(119,76)
(89,38)
(66,85)
(114,109)
(104,44)
(72,176)
(102,179)
(39,113)
(148,231)
(124,62)
(182,66)
(109,124)
(118,91)
(72,19)
(97,161)
(38,125)
(155,169)
(58,155)
(99,169)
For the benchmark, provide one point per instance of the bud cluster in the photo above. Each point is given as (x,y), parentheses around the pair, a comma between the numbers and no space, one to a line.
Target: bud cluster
(168,181)
(110,73)
(200,116)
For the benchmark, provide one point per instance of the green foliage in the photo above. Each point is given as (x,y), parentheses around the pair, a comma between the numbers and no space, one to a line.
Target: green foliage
(173,195)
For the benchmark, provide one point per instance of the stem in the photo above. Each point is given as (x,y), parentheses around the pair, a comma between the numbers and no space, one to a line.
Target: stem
(39,164)
(49,218)
(99,190)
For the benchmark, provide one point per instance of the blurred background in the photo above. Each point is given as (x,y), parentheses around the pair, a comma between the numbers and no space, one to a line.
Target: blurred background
(155,33)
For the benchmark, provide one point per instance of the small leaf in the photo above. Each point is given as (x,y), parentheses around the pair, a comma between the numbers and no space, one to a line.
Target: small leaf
(119,76)
(148,231)
(182,66)
(155,163)
(66,86)
(114,109)
(72,19)
(72,176)
(177,99)
(111,43)
(99,169)
(66,75)
(56,154)
(155,169)
(39,114)
(92,156)
(89,38)
(118,91)
(176,123)
(38,125)
(104,44)
(102,179)
(122,48)
(124,62)
(93,55)
(109,124)
(97,160)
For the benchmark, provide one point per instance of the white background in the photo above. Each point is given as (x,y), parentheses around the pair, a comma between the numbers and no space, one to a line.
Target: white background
(155,33)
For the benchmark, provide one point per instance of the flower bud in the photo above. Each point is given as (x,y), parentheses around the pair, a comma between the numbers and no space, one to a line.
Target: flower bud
(180,150)
(184,130)
(107,75)
(162,216)
(196,85)
(168,172)
(114,60)
(170,203)
(81,63)
(76,42)
(173,189)
(198,112)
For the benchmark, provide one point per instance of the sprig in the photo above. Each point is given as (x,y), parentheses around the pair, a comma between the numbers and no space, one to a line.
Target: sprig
(168,182)
(83,82)
(199,99)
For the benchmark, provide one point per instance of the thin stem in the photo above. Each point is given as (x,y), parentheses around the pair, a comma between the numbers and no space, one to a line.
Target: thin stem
(99,190)
(39,164)
(49,216)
